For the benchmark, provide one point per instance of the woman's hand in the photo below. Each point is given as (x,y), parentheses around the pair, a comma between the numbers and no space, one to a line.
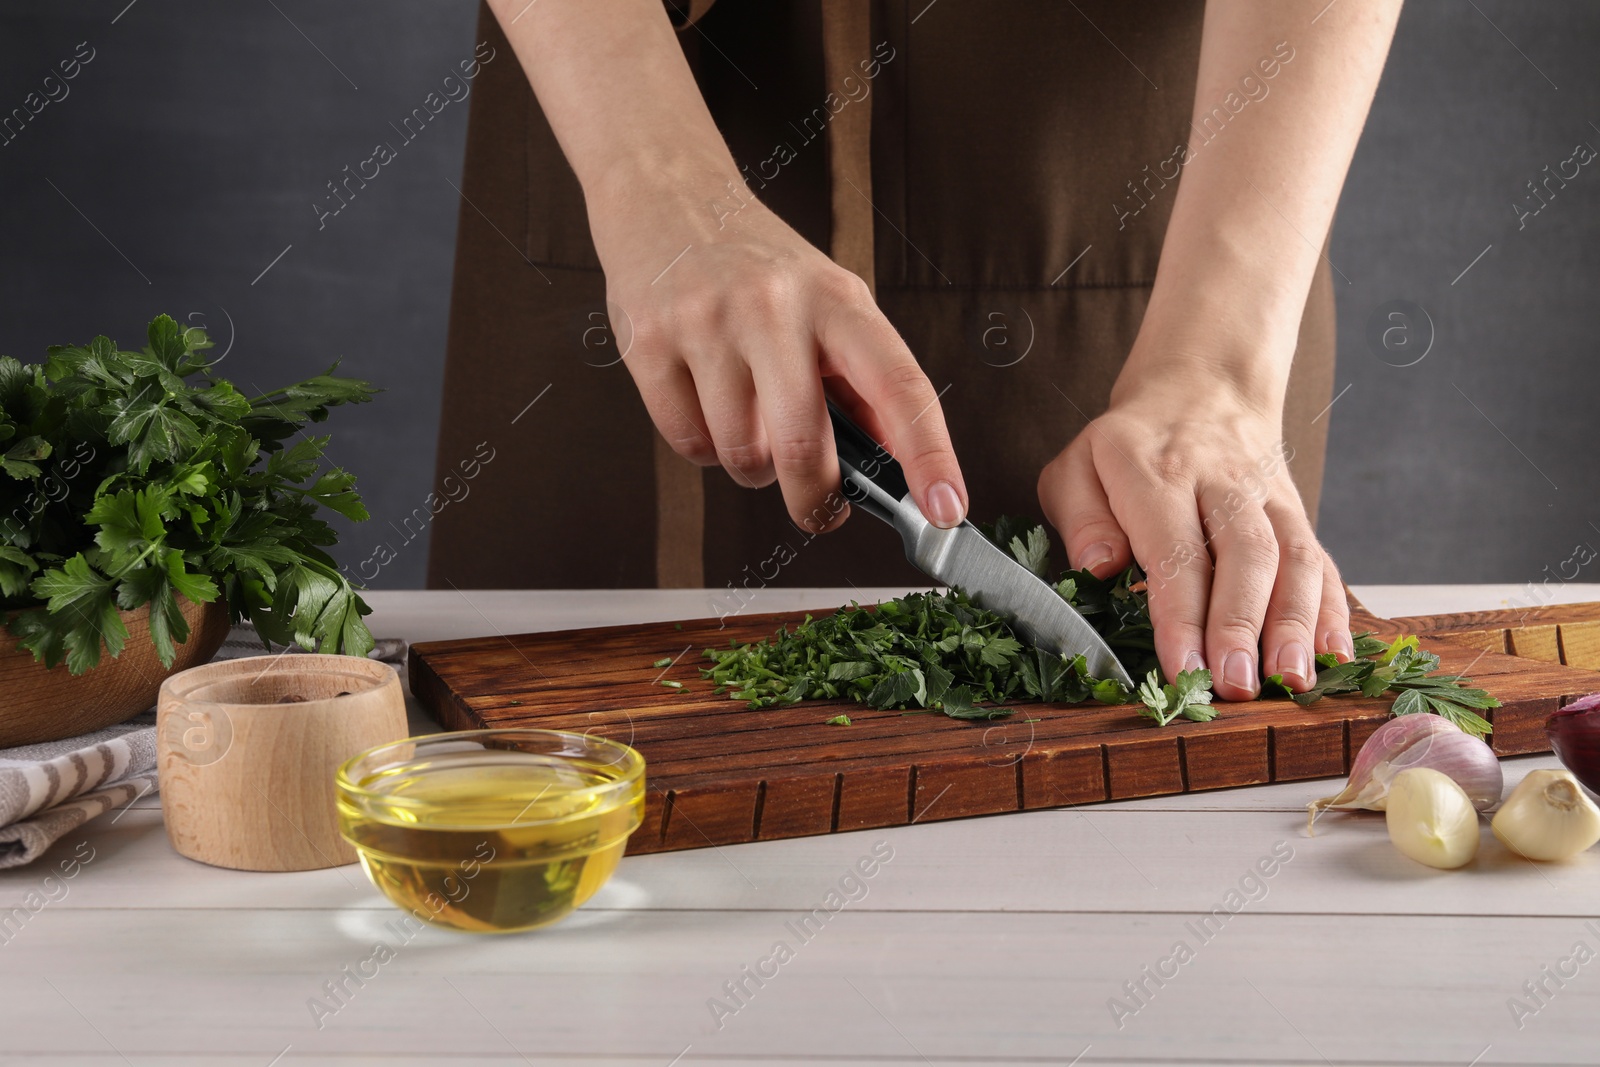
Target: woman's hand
(1193,483)
(731,323)
(729,320)
(1184,472)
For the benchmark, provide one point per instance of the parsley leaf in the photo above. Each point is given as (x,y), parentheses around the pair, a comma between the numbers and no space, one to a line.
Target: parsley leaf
(1189,697)
(1034,553)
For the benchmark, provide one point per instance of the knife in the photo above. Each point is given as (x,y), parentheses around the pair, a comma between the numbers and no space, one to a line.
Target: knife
(964,557)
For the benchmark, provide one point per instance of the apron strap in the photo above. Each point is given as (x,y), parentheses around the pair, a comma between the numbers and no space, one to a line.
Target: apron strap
(680,485)
(846,48)
(684,12)
(680,520)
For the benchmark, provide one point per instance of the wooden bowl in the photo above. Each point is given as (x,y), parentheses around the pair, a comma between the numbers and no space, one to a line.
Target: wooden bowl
(47,705)
(247,750)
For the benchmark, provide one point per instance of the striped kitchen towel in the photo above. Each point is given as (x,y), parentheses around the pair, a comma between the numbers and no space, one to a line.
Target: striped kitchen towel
(50,789)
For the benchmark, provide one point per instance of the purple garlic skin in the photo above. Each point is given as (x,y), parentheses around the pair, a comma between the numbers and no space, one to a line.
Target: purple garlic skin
(1419,740)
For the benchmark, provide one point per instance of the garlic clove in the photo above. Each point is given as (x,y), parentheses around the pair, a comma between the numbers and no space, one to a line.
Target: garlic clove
(1369,774)
(1431,819)
(1547,817)
(1418,740)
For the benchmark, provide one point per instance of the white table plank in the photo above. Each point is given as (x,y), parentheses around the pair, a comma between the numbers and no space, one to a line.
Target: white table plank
(1389,601)
(437,615)
(944,986)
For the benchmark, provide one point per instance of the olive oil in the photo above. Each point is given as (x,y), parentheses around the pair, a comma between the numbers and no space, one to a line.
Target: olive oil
(489,839)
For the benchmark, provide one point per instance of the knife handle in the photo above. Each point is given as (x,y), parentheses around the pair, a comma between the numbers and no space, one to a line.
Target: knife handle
(869,475)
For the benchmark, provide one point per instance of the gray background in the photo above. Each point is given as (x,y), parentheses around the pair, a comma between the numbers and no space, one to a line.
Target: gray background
(200,135)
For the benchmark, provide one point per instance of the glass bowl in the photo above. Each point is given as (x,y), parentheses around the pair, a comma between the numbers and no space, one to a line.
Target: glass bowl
(491,831)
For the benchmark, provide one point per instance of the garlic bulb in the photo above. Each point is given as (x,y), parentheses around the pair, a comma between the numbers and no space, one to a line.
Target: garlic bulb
(1418,740)
(1431,819)
(1547,817)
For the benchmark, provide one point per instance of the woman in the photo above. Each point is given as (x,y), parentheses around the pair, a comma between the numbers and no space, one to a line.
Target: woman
(1078,245)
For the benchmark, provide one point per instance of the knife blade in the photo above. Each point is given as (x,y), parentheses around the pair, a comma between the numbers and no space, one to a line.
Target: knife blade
(962,556)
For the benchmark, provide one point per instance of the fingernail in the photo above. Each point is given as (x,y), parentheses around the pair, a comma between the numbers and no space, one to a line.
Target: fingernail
(1295,659)
(1195,662)
(1096,554)
(1339,644)
(944,506)
(1239,670)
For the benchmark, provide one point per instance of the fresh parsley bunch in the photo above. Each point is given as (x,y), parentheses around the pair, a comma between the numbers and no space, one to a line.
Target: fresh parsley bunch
(133,478)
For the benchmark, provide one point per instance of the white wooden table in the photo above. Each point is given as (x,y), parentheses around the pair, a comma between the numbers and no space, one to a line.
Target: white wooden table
(1008,939)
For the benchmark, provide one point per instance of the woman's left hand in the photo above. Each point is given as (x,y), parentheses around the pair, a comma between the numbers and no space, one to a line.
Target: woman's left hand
(1192,481)
(1185,471)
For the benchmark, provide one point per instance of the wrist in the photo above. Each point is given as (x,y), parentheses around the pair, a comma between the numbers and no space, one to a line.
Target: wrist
(642,183)
(1191,374)
(1221,326)
(648,212)
(1209,349)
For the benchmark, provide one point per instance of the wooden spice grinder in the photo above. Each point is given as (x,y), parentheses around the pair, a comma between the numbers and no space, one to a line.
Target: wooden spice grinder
(247,750)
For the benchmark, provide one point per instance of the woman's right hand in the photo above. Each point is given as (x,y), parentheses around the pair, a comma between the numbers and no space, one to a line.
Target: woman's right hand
(727,319)
(731,323)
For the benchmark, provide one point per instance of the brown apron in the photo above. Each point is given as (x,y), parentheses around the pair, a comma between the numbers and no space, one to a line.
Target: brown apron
(978,163)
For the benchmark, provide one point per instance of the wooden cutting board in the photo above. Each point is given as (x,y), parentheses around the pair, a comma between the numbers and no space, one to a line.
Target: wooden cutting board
(719,773)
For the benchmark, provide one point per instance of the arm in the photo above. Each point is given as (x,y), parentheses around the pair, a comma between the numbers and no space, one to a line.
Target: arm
(1184,471)
(731,320)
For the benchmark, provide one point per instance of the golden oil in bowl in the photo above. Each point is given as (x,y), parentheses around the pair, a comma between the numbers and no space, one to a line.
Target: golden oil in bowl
(491,831)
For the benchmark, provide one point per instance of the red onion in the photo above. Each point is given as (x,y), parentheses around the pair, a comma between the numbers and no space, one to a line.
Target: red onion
(1574,733)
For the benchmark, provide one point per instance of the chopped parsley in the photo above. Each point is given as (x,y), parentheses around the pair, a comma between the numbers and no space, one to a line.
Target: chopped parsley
(941,652)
